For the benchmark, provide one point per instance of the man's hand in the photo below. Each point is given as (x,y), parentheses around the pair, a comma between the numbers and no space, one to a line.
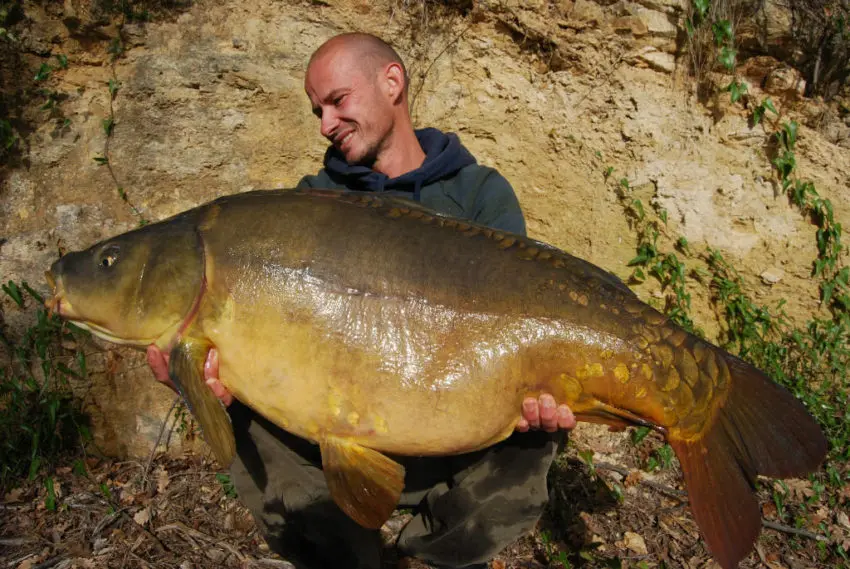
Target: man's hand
(544,413)
(159,365)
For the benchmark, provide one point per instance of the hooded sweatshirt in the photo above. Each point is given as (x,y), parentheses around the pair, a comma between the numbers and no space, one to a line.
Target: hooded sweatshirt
(449,181)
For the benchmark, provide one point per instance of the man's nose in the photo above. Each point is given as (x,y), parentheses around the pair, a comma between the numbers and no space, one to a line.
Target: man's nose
(329,123)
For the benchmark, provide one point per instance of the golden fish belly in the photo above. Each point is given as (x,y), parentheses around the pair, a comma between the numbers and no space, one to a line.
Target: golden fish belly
(401,375)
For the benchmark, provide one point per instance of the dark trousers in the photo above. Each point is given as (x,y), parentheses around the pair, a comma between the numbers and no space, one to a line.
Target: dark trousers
(467,507)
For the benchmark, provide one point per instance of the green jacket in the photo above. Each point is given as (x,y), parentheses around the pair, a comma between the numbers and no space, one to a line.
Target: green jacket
(450,181)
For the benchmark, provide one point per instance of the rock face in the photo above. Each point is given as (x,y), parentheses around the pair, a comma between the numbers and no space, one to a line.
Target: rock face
(210,101)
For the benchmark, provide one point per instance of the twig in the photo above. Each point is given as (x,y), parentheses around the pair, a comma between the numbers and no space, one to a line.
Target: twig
(50,562)
(439,55)
(15,541)
(156,444)
(795,531)
(157,543)
(195,534)
(664,489)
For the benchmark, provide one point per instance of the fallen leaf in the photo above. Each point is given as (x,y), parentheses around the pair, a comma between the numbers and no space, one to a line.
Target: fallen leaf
(162,480)
(768,510)
(143,516)
(843,520)
(633,478)
(13,496)
(635,543)
(497,564)
(800,489)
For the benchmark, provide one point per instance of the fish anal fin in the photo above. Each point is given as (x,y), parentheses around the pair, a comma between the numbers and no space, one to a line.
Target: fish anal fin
(617,418)
(364,483)
(186,369)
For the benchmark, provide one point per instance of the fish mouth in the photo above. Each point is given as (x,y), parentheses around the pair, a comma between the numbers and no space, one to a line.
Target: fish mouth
(57,304)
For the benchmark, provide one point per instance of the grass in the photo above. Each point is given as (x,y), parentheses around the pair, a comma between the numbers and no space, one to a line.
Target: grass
(41,420)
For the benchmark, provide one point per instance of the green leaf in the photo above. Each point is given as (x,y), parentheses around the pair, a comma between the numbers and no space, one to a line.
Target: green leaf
(737,90)
(101,160)
(43,72)
(13,291)
(50,500)
(727,57)
(722,30)
(768,104)
(32,292)
(108,125)
(639,434)
(113,87)
(63,61)
(79,468)
(789,134)
(81,362)
(701,7)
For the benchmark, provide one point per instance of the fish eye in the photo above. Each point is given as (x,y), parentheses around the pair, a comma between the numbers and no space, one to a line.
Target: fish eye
(108,257)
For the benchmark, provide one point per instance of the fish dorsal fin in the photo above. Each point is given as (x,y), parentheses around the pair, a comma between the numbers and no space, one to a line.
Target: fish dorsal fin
(186,369)
(364,483)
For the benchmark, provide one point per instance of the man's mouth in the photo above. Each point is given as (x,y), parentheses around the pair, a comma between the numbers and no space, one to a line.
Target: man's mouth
(342,140)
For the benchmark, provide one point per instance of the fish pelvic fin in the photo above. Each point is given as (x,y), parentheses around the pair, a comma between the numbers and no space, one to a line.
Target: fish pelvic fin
(364,483)
(760,429)
(186,369)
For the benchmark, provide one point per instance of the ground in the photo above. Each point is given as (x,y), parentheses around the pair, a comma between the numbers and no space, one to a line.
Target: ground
(170,512)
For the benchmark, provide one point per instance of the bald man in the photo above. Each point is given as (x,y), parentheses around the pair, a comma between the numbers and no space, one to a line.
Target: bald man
(468,507)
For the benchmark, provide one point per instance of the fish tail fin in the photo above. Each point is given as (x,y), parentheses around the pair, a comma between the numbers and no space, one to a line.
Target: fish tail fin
(759,429)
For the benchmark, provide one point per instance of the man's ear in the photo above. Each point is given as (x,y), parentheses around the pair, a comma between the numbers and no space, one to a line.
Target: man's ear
(394,82)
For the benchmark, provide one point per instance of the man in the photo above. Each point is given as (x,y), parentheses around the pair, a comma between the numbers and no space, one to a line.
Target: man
(468,507)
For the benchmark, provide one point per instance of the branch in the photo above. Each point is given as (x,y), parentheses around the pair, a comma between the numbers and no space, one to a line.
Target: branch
(795,531)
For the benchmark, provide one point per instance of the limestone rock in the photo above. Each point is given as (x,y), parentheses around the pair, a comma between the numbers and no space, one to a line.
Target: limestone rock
(630,24)
(654,59)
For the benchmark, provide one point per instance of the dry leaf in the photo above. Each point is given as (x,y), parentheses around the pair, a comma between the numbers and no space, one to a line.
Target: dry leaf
(845,494)
(633,478)
(143,516)
(497,564)
(843,520)
(13,496)
(635,543)
(162,480)
(800,489)
(768,510)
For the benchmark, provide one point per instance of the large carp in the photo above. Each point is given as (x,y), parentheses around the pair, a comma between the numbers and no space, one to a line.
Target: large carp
(371,325)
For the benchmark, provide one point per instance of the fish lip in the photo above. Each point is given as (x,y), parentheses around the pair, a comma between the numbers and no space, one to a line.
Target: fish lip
(55,304)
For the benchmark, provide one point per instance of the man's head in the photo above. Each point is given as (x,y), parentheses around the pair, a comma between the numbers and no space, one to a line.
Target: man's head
(357,85)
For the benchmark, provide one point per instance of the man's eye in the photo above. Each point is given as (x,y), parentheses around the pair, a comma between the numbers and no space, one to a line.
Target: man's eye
(338,100)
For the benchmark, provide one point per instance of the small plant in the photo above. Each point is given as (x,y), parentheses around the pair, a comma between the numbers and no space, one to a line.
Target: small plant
(226,484)
(554,558)
(41,419)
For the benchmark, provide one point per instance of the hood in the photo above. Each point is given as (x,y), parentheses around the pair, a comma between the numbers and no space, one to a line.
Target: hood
(444,157)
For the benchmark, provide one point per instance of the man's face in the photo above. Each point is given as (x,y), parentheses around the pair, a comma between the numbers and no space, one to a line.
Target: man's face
(354,114)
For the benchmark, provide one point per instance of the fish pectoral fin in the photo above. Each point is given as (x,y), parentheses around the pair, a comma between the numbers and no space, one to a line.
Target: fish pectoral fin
(364,483)
(186,369)
(618,419)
